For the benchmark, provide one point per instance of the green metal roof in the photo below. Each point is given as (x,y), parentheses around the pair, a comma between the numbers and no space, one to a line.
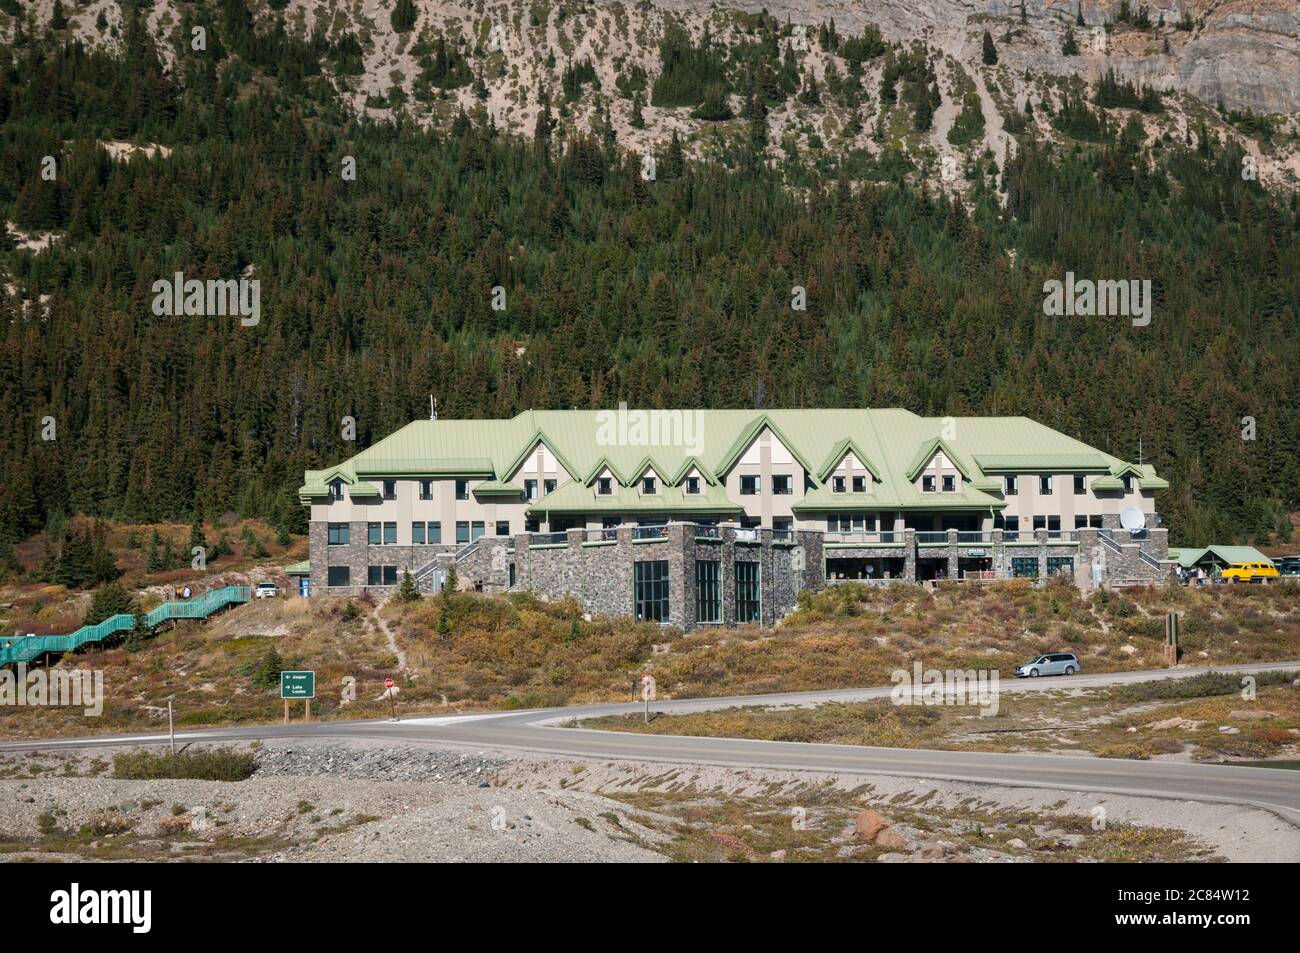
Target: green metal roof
(1040,462)
(1187,558)
(298,569)
(574,496)
(891,442)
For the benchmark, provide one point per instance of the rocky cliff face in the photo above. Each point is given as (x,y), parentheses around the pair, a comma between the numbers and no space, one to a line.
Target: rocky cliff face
(1244,54)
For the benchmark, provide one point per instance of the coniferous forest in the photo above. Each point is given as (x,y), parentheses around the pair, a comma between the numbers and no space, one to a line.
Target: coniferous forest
(376,290)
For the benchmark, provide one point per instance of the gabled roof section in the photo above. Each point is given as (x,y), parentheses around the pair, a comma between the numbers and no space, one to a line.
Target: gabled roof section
(539,437)
(498,488)
(603,464)
(838,452)
(926,454)
(575,497)
(647,463)
(749,435)
(689,464)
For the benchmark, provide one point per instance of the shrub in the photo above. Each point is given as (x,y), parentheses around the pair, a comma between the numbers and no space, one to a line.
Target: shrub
(216,764)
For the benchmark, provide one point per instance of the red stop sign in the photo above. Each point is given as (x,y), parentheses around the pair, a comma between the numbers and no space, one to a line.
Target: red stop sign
(388,683)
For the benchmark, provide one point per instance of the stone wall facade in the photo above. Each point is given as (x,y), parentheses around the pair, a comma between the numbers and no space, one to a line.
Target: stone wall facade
(597,567)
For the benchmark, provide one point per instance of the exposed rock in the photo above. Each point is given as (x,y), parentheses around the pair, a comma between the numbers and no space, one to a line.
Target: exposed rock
(892,859)
(892,839)
(1017,843)
(868,825)
(1229,730)
(1252,715)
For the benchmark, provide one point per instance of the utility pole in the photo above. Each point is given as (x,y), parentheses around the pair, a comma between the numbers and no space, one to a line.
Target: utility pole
(171,726)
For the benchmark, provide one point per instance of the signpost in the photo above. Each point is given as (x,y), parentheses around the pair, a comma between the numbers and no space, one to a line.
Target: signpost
(295,685)
(392,705)
(646,682)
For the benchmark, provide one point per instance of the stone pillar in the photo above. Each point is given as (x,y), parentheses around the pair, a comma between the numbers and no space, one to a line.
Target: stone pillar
(909,554)
(952,554)
(1000,565)
(1040,537)
(680,611)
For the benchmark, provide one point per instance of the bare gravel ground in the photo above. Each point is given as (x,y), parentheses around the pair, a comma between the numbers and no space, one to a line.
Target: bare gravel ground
(373,802)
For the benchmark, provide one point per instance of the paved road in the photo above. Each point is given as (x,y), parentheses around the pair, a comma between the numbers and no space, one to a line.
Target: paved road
(1273,789)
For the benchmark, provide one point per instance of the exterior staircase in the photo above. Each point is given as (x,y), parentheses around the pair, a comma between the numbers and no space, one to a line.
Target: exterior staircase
(15,649)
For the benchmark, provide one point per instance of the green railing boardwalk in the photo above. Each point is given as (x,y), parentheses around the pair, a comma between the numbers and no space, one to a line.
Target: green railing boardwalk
(19,649)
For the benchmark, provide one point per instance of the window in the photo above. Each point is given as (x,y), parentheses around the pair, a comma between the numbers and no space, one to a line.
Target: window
(1080,484)
(338,534)
(338,576)
(1128,483)
(1081,522)
(426,489)
(530,489)
(512,575)
(532,525)
(1060,564)
(462,532)
(859,484)
(434,534)
(927,484)
(1024,567)
(1008,486)
(650,590)
(604,486)
(503,527)
(336,491)
(374,533)
(1045,484)
(390,534)
(417,534)
(837,484)
(1094,521)
(782,485)
(949,483)
(382,575)
(462,489)
(693,486)
(649,486)
(708,594)
(749,485)
(548,486)
(390,489)
(476,530)
(782,527)
(748,592)
(609,526)
(1050,523)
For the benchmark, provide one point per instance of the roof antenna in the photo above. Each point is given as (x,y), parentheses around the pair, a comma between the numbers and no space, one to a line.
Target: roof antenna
(433,408)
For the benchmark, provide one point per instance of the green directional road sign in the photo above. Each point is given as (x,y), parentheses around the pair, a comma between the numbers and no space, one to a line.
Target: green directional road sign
(297,685)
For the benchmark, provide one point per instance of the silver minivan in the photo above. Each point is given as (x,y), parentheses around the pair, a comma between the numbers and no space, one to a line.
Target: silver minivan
(1058,663)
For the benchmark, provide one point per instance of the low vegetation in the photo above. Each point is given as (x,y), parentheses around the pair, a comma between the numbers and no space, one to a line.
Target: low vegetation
(211,764)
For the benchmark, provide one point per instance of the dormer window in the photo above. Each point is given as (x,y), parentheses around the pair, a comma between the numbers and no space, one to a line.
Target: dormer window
(782,485)
(604,486)
(336,490)
(649,486)
(927,484)
(749,486)
(949,483)
(390,489)
(859,484)
(837,484)
(693,486)
(1128,483)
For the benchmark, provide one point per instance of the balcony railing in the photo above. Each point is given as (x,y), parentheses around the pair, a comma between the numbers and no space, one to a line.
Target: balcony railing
(549,539)
(927,536)
(864,537)
(649,532)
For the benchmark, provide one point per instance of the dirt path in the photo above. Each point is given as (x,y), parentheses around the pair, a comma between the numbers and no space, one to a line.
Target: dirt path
(391,639)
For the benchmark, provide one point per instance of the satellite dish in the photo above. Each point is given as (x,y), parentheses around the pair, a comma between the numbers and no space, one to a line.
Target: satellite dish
(1132,519)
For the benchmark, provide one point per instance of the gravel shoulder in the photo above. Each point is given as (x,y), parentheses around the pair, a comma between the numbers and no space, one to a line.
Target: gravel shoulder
(370,801)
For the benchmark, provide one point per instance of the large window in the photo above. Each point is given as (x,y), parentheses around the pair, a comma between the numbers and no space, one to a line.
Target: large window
(927,484)
(390,534)
(748,592)
(650,590)
(374,533)
(530,489)
(837,484)
(1060,564)
(338,576)
(1024,567)
(462,532)
(949,483)
(381,575)
(708,594)
(859,484)
(476,530)
(782,485)
(503,527)
(548,486)
(338,534)
(749,485)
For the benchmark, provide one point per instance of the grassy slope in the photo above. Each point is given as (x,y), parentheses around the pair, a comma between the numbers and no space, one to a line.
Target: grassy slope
(518,652)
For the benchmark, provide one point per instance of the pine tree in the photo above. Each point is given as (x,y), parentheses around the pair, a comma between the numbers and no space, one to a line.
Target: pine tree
(443,627)
(109,600)
(637,120)
(408,591)
(452,583)
(403,16)
(990,51)
(267,674)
